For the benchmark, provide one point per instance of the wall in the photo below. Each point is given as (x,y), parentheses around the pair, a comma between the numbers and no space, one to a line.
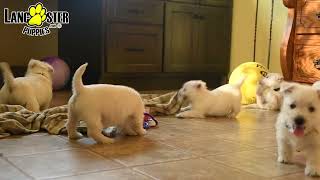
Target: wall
(17,48)
(245,47)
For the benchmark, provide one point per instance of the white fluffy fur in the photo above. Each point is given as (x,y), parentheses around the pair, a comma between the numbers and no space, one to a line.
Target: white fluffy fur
(298,101)
(33,91)
(102,106)
(268,94)
(222,101)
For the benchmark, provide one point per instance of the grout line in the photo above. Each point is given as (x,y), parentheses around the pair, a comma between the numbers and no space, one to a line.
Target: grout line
(16,167)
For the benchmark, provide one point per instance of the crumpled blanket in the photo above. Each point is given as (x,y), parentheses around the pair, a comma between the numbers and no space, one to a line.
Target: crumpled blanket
(15,119)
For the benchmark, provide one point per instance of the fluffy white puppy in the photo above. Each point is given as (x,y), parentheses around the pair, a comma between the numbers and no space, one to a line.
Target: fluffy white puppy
(297,126)
(316,85)
(33,91)
(268,93)
(222,101)
(102,106)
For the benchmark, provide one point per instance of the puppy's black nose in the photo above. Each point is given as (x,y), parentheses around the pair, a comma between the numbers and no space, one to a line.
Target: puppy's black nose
(277,89)
(299,120)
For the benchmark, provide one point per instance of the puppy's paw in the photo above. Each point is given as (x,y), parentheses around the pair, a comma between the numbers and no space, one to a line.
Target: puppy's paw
(180,115)
(75,135)
(284,160)
(312,171)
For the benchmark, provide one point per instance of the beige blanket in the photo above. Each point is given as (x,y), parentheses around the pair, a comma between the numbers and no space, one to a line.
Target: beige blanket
(15,119)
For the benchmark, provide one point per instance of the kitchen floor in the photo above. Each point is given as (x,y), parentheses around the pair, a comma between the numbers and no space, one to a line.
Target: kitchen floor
(215,149)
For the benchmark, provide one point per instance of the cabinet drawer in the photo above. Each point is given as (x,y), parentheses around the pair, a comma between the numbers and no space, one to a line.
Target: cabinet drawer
(306,63)
(134,48)
(145,11)
(308,17)
(216,2)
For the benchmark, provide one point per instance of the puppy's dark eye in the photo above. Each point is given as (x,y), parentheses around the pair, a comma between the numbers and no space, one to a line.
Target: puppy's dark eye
(311,109)
(292,106)
(277,89)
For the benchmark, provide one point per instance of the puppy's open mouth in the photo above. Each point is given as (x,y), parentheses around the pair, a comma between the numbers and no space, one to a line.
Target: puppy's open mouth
(298,131)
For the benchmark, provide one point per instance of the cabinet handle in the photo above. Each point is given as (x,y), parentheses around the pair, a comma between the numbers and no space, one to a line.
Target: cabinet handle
(316,63)
(195,16)
(135,11)
(134,49)
(318,15)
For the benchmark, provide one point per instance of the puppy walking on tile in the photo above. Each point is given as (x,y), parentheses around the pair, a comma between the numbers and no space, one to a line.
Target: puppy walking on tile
(222,101)
(298,125)
(33,91)
(102,106)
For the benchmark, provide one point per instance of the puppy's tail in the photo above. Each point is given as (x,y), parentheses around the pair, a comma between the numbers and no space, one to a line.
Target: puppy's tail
(8,77)
(240,82)
(77,84)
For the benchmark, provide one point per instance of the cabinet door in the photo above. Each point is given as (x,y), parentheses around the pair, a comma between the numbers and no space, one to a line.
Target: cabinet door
(214,39)
(180,42)
(134,48)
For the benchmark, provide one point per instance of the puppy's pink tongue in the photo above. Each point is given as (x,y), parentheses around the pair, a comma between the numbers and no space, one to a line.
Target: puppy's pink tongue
(298,131)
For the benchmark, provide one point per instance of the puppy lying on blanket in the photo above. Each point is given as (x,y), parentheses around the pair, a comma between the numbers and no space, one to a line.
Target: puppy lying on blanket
(102,106)
(33,91)
(222,101)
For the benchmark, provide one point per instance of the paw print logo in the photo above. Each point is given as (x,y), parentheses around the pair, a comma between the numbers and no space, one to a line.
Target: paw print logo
(38,15)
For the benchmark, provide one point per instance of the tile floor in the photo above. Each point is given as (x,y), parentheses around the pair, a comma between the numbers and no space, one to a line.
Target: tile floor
(215,149)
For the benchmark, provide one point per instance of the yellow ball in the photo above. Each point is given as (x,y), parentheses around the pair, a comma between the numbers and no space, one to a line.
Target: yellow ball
(254,72)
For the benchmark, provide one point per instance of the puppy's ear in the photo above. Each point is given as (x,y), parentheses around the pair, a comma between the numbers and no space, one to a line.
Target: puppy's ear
(50,69)
(287,87)
(32,63)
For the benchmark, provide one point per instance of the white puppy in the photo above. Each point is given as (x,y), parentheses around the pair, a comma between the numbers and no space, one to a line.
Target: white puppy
(267,94)
(33,91)
(316,85)
(222,101)
(102,106)
(298,125)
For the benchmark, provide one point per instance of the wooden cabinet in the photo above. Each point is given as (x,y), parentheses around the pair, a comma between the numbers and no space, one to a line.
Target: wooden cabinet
(148,44)
(134,48)
(197,38)
(300,50)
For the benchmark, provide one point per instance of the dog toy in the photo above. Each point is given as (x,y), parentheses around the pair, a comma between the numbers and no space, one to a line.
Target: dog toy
(149,121)
(254,72)
(61,74)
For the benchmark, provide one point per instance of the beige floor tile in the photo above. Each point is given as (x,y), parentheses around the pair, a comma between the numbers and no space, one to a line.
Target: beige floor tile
(119,174)
(257,162)
(256,138)
(62,163)
(202,147)
(34,143)
(298,176)
(9,172)
(133,151)
(194,169)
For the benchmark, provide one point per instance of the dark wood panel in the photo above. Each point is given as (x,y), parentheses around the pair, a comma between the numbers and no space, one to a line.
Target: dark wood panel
(145,11)
(134,48)
(216,2)
(180,37)
(214,39)
(186,1)
(161,81)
